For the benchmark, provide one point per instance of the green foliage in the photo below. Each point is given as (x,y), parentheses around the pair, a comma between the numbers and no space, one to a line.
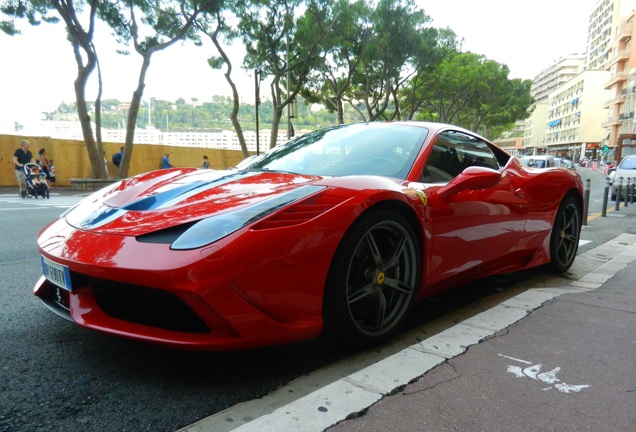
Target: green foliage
(476,93)
(34,11)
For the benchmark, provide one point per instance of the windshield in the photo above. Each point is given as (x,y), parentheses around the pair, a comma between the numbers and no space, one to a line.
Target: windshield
(359,149)
(628,163)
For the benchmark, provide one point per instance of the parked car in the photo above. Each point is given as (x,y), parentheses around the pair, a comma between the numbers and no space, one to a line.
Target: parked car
(565,163)
(626,169)
(539,161)
(336,232)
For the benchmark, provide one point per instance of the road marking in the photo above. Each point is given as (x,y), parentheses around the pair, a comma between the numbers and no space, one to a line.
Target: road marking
(549,377)
(298,406)
(515,359)
(56,201)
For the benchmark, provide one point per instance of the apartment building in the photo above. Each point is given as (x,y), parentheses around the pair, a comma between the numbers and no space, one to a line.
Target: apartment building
(534,132)
(602,28)
(575,112)
(621,85)
(569,115)
(548,80)
(559,72)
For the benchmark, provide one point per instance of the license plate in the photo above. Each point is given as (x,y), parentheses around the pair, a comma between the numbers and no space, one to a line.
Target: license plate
(57,273)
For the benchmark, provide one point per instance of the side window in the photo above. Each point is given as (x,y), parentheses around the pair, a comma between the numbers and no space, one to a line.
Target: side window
(452,152)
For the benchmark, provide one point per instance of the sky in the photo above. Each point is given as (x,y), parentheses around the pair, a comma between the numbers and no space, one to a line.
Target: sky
(38,69)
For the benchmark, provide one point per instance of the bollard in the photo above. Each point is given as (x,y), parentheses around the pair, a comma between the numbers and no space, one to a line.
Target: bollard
(619,188)
(605,196)
(628,188)
(586,200)
(631,199)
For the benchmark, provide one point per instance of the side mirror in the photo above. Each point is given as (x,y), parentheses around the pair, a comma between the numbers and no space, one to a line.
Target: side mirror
(471,178)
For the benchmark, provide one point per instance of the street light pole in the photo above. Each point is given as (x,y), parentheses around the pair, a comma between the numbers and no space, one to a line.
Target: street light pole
(288,107)
(257,83)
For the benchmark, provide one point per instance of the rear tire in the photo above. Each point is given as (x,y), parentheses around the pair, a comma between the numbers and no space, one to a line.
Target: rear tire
(564,239)
(373,280)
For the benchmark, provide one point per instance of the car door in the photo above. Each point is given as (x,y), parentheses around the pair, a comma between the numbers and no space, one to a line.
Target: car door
(473,230)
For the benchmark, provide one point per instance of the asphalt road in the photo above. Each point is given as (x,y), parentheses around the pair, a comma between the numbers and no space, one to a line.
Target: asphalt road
(57,376)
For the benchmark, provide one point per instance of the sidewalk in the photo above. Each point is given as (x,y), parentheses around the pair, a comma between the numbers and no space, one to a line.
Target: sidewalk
(568,366)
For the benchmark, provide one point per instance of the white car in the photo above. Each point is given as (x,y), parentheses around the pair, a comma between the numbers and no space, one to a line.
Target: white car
(565,163)
(540,161)
(626,169)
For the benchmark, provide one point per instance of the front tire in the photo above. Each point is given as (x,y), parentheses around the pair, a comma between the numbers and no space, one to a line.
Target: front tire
(564,239)
(373,280)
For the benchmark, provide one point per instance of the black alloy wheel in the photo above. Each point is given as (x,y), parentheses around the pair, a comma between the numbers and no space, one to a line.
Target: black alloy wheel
(564,239)
(373,280)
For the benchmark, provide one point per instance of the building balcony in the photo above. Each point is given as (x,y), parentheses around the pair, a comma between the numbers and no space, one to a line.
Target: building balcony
(625,32)
(621,56)
(615,79)
(616,100)
(611,121)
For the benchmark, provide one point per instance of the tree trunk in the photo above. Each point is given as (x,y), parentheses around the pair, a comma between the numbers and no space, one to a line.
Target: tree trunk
(278,114)
(340,108)
(87,130)
(235,96)
(82,44)
(133,114)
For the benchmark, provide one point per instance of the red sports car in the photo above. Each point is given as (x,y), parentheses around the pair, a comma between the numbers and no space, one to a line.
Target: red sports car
(339,231)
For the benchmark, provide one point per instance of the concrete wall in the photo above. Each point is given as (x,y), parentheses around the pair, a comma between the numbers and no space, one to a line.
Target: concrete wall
(71,157)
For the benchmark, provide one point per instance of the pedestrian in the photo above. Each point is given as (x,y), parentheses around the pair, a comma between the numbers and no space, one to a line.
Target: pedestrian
(43,161)
(206,163)
(52,174)
(21,157)
(165,162)
(106,165)
(118,156)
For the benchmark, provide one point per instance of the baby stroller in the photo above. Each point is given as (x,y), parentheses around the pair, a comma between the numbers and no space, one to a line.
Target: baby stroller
(35,181)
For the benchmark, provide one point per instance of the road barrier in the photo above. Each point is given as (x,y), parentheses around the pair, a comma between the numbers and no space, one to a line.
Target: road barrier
(586,200)
(605,197)
(619,190)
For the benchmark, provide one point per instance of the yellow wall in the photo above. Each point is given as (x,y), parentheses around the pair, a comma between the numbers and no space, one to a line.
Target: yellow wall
(71,157)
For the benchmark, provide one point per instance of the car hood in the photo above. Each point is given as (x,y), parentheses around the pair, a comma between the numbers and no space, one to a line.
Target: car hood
(167,198)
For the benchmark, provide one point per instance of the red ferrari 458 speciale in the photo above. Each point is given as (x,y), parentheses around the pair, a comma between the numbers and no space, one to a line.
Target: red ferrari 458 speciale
(338,231)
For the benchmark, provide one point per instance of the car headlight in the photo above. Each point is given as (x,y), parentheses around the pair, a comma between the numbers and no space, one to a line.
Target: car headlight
(214,228)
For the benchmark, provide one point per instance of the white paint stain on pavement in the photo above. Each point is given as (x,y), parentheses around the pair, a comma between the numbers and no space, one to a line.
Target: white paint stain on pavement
(549,377)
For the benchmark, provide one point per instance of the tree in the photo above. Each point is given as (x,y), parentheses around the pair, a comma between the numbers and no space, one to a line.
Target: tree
(85,53)
(399,32)
(341,51)
(268,29)
(164,23)
(437,45)
(476,93)
(217,62)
